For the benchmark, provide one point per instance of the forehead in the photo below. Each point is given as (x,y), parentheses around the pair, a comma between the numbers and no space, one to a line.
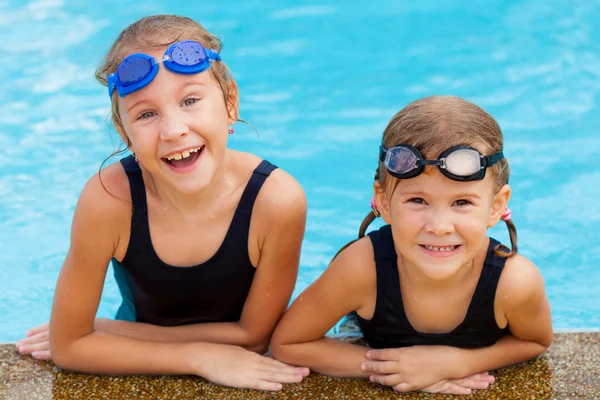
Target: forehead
(434,183)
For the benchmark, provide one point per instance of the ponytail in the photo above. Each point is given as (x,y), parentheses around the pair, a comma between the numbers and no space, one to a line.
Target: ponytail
(502,250)
(366,222)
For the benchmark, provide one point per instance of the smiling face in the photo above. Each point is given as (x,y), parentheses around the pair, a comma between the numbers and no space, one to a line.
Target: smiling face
(177,126)
(439,225)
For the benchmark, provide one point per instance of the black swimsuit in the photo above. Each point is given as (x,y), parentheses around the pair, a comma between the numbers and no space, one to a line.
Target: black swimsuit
(390,326)
(161,294)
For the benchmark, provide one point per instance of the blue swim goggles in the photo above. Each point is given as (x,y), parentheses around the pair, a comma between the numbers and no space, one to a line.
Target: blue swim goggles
(138,70)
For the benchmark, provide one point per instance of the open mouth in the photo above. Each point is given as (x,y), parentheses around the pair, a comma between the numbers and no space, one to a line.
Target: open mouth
(184,159)
(437,249)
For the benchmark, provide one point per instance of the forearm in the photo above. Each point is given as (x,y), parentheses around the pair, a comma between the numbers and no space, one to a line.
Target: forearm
(326,356)
(507,351)
(217,332)
(100,353)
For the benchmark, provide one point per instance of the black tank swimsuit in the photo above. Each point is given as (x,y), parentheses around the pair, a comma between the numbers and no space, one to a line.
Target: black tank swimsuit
(390,326)
(161,294)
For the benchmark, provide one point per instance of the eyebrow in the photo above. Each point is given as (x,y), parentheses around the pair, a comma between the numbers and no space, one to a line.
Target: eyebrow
(136,104)
(423,194)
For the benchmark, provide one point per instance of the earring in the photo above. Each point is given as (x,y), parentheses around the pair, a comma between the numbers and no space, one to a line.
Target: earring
(230,129)
(137,160)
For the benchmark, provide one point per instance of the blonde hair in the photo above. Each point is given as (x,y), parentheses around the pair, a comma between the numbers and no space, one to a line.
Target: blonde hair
(155,32)
(434,124)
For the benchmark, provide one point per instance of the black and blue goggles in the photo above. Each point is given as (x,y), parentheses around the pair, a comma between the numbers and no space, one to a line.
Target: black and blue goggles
(138,70)
(459,163)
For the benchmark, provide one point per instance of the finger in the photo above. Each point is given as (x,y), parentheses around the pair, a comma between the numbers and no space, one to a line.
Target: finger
(42,355)
(471,383)
(403,387)
(265,385)
(484,376)
(280,377)
(279,366)
(387,380)
(39,337)
(380,367)
(30,348)
(38,329)
(383,354)
(453,388)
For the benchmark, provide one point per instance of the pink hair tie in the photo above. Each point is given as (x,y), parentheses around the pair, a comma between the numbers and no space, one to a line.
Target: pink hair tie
(506,215)
(374,207)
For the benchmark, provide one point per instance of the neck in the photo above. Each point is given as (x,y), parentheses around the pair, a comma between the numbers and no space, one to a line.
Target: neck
(189,203)
(412,275)
(416,279)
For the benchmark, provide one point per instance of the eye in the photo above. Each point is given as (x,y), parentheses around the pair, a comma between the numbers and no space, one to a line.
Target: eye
(462,203)
(146,114)
(417,200)
(190,101)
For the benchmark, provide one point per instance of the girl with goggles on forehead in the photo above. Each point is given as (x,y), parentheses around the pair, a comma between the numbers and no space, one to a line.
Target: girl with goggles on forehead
(205,241)
(439,302)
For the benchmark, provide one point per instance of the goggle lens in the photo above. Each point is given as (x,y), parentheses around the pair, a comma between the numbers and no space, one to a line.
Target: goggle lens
(463,162)
(401,160)
(188,53)
(133,69)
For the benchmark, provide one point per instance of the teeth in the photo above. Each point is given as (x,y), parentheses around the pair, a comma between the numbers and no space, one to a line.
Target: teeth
(433,248)
(183,154)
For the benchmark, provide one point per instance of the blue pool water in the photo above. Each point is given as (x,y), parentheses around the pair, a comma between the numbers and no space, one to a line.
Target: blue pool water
(319,80)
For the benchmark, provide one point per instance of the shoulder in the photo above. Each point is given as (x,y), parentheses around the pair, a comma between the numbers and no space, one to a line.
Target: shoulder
(281,199)
(521,283)
(106,196)
(356,263)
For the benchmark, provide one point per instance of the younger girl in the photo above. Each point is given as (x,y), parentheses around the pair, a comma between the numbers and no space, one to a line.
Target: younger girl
(205,240)
(440,298)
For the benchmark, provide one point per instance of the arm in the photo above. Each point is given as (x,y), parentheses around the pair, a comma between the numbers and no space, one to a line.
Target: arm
(279,215)
(522,300)
(299,337)
(281,207)
(522,303)
(75,345)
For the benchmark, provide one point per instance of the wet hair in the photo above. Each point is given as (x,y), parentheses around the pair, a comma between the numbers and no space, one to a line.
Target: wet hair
(434,124)
(155,32)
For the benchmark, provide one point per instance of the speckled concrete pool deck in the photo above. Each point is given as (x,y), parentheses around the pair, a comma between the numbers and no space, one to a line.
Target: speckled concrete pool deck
(569,370)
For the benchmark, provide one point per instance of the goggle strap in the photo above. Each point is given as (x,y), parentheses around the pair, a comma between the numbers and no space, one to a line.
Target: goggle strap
(382,153)
(212,55)
(492,159)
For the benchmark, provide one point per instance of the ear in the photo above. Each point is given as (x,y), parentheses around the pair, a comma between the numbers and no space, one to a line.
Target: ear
(499,204)
(232,101)
(382,201)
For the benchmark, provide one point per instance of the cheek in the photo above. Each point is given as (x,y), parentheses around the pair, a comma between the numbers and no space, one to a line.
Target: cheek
(474,224)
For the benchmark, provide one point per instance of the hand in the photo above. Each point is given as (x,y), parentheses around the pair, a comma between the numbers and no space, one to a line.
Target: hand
(456,386)
(415,367)
(37,343)
(236,367)
(447,386)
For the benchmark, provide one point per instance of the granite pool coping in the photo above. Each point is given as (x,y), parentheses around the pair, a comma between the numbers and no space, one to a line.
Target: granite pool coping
(569,370)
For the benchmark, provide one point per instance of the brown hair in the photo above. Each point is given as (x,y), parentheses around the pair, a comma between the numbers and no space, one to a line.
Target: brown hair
(154,32)
(434,124)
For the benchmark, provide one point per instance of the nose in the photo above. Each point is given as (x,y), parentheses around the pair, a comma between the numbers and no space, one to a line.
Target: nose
(439,224)
(173,126)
